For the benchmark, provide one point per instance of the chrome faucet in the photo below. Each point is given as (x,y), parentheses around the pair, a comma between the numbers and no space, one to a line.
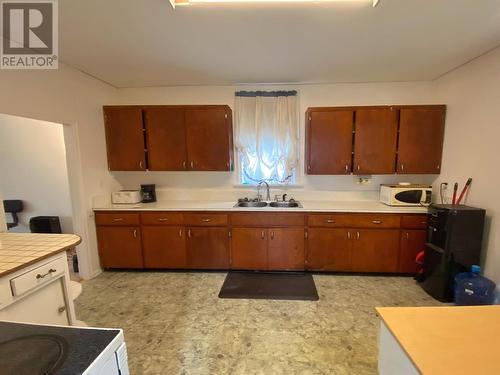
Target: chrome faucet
(268,193)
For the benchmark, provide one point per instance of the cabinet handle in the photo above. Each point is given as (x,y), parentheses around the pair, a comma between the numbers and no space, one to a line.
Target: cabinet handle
(189,233)
(180,233)
(140,164)
(184,164)
(347,167)
(402,167)
(162,219)
(407,236)
(330,221)
(192,164)
(61,309)
(357,235)
(348,235)
(262,235)
(118,219)
(135,233)
(272,235)
(377,221)
(49,272)
(358,167)
(306,234)
(308,167)
(206,220)
(229,234)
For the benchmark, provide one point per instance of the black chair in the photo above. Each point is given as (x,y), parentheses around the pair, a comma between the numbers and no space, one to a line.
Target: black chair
(13,207)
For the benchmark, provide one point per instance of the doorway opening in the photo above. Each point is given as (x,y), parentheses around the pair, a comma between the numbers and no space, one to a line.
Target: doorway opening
(34,180)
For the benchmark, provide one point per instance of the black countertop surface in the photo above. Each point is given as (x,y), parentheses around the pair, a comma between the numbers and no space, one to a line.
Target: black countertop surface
(81,345)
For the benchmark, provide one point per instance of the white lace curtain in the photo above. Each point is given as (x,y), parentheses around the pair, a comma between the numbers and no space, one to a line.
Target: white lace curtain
(267,131)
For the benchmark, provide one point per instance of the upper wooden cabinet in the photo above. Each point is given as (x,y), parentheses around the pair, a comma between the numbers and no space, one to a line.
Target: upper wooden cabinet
(166,139)
(375,139)
(169,138)
(209,138)
(329,141)
(376,132)
(124,138)
(421,134)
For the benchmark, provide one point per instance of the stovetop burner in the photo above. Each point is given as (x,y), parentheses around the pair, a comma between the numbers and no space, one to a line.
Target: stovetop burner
(17,355)
(42,349)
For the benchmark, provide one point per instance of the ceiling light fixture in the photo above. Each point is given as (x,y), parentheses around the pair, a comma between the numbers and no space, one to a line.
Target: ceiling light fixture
(176,3)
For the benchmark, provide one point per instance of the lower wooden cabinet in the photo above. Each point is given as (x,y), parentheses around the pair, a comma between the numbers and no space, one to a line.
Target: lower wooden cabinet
(286,250)
(207,248)
(249,249)
(385,243)
(375,250)
(120,247)
(412,242)
(329,249)
(267,249)
(164,247)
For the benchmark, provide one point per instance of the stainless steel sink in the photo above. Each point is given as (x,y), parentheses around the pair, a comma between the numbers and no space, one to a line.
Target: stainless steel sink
(285,204)
(251,204)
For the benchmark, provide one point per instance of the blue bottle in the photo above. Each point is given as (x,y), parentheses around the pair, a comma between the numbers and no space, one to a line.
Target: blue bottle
(474,289)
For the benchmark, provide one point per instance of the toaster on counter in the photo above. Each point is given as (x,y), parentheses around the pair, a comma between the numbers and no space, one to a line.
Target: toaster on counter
(126,196)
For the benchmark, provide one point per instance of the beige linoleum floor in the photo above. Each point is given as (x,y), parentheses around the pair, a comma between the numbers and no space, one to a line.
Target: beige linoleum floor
(174,323)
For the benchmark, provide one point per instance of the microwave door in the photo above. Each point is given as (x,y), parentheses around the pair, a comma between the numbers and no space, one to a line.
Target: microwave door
(409,196)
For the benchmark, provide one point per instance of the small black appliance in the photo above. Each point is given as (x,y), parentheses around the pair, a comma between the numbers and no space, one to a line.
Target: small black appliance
(148,193)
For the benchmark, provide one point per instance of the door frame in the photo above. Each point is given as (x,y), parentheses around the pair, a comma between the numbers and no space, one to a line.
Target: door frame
(80,218)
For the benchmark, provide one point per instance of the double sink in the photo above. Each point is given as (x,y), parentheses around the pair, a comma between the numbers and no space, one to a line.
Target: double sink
(257,204)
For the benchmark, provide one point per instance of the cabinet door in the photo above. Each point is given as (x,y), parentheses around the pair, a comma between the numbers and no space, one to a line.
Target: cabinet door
(208,248)
(45,306)
(375,250)
(249,248)
(329,142)
(286,249)
(209,139)
(329,249)
(412,242)
(124,138)
(375,141)
(421,132)
(120,247)
(164,247)
(166,139)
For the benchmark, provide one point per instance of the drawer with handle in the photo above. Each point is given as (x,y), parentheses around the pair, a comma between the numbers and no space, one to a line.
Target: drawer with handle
(161,218)
(376,221)
(329,220)
(414,221)
(116,218)
(35,277)
(208,219)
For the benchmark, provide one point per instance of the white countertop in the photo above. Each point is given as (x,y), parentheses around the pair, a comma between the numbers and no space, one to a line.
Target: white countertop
(307,206)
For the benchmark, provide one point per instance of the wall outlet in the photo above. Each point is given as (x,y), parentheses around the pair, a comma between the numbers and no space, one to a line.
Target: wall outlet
(364,180)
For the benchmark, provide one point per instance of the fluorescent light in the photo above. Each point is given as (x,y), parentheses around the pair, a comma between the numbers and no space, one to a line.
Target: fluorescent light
(248,2)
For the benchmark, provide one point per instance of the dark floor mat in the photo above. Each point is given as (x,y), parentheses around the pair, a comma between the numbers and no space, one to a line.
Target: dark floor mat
(266,285)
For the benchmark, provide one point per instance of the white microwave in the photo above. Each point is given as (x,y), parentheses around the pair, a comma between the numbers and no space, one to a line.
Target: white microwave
(406,195)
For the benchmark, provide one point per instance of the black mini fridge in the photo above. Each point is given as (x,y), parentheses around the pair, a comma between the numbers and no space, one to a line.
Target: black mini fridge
(454,238)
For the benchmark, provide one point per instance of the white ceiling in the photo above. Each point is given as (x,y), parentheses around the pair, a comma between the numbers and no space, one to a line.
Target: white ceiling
(135,43)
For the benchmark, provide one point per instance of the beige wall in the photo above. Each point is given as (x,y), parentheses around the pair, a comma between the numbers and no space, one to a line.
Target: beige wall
(471,146)
(69,97)
(33,169)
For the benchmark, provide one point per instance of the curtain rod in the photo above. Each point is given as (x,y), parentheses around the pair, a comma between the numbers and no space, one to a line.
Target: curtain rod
(252,94)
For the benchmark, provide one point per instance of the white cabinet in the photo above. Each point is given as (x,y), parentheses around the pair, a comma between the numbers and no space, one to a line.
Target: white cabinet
(38,293)
(46,306)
